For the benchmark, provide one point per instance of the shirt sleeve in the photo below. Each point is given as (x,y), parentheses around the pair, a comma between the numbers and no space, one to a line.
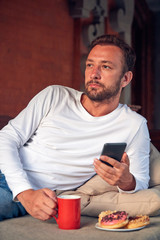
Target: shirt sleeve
(139,152)
(16,134)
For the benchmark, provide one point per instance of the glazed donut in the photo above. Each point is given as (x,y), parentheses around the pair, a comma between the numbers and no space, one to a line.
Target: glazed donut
(137,221)
(113,219)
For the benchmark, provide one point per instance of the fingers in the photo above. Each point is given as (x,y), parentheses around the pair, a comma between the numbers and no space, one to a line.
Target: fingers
(113,175)
(41,204)
(50,193)
(118,175)
(50,198)
(49,207)
(125,159)
(106,172)
(41,215)
(114,162)
(109,160)
(47,203)
(46,213)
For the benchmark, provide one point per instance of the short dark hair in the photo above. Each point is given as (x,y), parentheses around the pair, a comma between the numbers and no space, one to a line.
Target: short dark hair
(128,52)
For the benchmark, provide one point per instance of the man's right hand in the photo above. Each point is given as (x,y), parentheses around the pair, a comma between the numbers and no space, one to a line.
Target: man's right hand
(41,204)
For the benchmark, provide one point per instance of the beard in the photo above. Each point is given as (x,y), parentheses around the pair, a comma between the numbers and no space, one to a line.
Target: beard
(96,95)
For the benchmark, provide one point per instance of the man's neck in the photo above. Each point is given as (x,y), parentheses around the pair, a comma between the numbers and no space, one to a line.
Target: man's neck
(98,109)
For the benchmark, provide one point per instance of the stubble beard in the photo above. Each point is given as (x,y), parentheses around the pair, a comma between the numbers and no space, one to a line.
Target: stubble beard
(106,94)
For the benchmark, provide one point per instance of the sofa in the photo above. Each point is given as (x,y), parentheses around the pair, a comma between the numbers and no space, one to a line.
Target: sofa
(96,196)
(28,228)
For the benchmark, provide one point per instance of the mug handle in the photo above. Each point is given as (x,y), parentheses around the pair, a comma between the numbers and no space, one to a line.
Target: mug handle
(56,218)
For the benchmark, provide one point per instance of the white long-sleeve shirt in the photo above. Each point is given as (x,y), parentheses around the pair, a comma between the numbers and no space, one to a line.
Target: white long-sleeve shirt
(53,141)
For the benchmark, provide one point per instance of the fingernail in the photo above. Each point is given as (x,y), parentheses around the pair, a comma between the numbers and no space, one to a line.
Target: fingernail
(95,160)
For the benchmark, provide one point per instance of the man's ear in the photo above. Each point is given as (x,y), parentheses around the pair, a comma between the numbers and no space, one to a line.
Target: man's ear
(126,79)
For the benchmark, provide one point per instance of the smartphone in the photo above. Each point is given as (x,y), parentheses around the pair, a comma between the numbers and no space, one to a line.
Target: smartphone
(113,150)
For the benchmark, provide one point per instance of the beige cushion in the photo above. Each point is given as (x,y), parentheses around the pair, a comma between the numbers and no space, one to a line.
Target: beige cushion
(154,167)
(145,202)
(97,195)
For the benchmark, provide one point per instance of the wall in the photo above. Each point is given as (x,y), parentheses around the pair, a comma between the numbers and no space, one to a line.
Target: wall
(156,69)
(36,50)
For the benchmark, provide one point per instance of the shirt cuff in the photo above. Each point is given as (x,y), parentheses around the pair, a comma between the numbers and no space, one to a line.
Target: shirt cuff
(19,190)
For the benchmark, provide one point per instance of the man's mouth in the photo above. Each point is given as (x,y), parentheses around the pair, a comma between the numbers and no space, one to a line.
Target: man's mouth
(94,84)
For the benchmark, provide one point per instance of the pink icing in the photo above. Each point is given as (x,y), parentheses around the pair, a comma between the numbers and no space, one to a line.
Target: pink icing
(114,218)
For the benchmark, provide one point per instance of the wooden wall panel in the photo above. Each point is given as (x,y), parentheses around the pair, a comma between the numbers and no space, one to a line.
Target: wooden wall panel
(36,50)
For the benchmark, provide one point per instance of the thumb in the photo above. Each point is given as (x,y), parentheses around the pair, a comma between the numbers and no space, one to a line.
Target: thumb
(50,194)
(125,159)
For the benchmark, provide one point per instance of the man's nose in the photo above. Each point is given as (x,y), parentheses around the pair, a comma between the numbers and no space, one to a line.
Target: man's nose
(96,73)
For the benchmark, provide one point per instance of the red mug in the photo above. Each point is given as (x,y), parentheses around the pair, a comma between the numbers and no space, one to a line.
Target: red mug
(69,212)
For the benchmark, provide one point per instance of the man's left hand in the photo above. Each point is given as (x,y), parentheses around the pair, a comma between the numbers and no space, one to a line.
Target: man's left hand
(118,175)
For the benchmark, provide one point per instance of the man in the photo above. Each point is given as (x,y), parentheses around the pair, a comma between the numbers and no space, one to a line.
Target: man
(51,144)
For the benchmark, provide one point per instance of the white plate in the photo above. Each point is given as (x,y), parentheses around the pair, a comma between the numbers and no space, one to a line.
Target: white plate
(118,229)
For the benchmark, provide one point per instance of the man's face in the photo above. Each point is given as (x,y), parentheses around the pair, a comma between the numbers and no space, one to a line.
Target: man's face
(103,73)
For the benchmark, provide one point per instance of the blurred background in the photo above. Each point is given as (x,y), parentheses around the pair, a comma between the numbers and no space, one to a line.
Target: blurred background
(46,42)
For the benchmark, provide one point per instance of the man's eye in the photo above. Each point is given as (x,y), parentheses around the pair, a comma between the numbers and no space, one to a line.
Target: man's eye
(89,65)
(106,66)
